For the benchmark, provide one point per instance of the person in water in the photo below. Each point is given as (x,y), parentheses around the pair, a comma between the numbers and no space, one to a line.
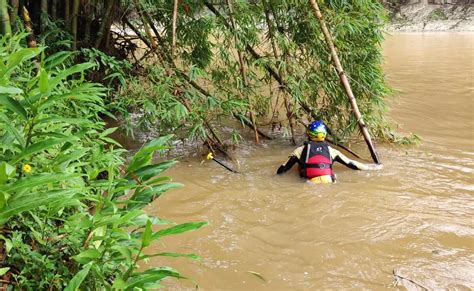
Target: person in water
(315,157)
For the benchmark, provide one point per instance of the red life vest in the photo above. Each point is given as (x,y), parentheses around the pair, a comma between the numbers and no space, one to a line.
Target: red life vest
(316,160)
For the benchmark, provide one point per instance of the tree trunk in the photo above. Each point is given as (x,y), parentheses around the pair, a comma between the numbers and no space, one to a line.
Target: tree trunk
(175,18)
(344,80)
(105,24)
(14,4)
(5,27)
(75,14)
(243,72)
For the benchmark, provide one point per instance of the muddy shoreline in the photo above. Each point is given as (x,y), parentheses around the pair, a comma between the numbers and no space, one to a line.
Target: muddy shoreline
(432,18)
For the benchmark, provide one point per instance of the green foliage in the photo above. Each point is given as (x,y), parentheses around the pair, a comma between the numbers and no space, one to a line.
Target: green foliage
(207,44)
(437,14)
(69,217)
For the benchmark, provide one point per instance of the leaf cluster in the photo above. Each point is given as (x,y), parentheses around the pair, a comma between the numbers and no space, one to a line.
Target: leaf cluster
(71,211)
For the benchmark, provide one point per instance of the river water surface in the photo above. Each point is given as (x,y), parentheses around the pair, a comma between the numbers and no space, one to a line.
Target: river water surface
(414,218)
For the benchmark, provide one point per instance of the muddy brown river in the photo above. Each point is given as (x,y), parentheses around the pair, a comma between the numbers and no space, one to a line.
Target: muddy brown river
(414,218)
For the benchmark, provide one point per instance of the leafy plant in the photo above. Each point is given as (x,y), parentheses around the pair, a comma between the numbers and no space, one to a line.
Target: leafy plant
(71,213)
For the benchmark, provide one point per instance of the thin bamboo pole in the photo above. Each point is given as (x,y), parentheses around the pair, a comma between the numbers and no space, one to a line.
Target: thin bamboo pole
(105,24)
(175,19)
(44,15)
(289,113)
(75,14)
(54,9)
(14,4)
(344,80)
(88,9)
(30,39)
(67,14)
(145,25)
(213,139)
(5,27)
(242,67)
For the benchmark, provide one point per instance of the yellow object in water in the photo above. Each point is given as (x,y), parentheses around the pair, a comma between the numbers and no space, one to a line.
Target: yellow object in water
(327,179)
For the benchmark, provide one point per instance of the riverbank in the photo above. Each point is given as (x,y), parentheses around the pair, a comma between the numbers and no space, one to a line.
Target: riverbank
(422,17)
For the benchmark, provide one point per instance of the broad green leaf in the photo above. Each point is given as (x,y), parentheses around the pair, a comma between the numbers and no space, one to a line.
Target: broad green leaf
(8,243)
(12,129)
(146,237)
(100,231)
(108,131)
(78,68)
(142,197)
(87,256)
(153,275)
(41,146)
(43,81)
(180,228)
(17,57)
(56,59)
(13,106)
(151,171)
(77,280)
(32,181)
(66,120)
(4,270)
(6,172)
(31,201)
(124,251)
(10,90)
(129,215)
(3,199)
(119,283)
(145,154)
(173,255)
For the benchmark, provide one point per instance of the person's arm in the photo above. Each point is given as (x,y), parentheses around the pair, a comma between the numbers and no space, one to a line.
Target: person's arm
(292,160)
(337,156)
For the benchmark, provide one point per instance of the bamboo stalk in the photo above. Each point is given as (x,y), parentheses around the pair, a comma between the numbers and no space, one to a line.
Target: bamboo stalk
(173,38)
(5,26)
(88,8)
(105,24)
(75,14)
(14,4)
(44,15)
(242,68)
(54,9)
(67,13)
(344,80)
(145,25)
(289,112)
(214,138)
(30,39)
(271,71)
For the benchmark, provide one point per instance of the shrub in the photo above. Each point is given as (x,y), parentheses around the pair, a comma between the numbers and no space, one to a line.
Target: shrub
(71,213)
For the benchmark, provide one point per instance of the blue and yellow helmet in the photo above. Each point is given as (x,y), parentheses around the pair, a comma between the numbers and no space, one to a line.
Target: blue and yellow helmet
(317,130)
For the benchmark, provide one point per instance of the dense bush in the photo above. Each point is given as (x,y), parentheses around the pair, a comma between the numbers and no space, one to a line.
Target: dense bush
(71,212)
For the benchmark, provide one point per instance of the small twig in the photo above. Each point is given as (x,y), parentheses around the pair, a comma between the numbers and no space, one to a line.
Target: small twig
(398,277)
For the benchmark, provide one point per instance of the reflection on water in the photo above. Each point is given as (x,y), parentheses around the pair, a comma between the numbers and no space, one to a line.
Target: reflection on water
(414,217)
